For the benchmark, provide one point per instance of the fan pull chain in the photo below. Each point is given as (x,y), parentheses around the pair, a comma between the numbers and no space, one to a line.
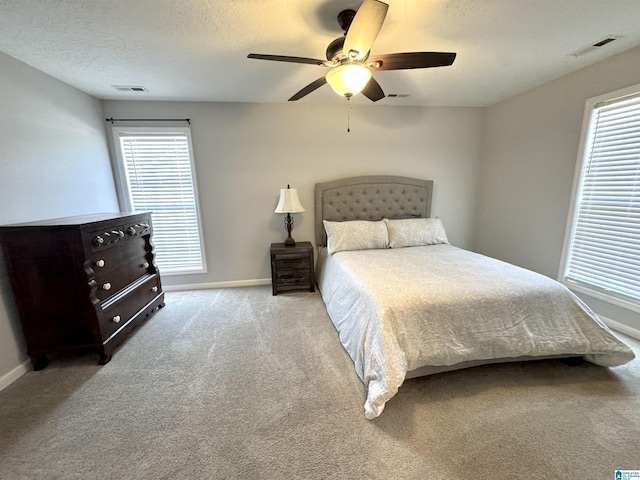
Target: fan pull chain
(348,114)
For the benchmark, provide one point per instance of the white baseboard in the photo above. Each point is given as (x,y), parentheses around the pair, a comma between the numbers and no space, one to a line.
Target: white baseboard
(206,286)
(11,376)
(621,327)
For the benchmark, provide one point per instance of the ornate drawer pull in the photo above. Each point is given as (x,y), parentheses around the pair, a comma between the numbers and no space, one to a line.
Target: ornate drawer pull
(106,286)
(116,319)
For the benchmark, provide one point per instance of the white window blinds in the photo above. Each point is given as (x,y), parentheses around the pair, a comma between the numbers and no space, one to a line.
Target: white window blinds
(604,249)
(159,178)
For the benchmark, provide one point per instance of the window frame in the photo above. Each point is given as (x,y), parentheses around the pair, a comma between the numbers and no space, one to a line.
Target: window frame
(583,157)
(124,193)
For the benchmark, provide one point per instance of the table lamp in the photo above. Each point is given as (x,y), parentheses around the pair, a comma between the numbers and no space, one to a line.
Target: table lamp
(289,204)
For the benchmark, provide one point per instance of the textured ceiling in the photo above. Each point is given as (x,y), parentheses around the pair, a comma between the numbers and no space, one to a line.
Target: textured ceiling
(195,50)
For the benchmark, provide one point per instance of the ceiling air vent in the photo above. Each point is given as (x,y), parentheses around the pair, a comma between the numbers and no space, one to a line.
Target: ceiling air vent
(129,88)
(398,95)
(594,46)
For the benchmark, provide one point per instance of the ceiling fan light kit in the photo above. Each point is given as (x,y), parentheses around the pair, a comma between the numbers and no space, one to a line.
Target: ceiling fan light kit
(348,79)
(348,56)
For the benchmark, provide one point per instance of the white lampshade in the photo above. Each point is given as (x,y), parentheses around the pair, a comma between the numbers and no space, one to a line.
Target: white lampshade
(348,79)
(289,202)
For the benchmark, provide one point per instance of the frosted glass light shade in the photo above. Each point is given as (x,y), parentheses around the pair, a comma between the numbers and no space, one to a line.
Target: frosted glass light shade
(348,79)
(289,202)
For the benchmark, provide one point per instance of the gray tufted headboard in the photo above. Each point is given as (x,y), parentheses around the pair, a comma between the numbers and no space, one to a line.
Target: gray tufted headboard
(370,198)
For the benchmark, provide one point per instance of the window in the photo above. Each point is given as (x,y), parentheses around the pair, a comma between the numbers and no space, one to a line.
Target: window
(155,169)
(602,246)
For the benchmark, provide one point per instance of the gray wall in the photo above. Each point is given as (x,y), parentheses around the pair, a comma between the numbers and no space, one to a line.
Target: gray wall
(529,154)
(53,162)
(245,153)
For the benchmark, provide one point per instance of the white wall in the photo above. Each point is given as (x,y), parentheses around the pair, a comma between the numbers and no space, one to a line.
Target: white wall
(53,162)
(528,161)
(245,153)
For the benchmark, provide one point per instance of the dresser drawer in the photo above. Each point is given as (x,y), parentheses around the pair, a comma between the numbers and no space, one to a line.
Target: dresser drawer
(107,237)
(117,312)
(118,266)
(124,252)
(137,229)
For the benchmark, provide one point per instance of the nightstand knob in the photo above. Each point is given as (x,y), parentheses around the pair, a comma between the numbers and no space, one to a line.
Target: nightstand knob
(154,289)
(145,265)
(98,240)
(106,286)
(100,263)
(116,319)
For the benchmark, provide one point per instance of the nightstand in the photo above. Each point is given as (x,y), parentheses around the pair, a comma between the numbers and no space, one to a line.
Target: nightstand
(292,267)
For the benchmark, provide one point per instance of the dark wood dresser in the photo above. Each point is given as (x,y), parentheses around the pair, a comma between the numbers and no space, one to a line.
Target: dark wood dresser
(81,283)
(292,267)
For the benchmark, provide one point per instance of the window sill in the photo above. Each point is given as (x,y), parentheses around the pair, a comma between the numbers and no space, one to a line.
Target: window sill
(613,299)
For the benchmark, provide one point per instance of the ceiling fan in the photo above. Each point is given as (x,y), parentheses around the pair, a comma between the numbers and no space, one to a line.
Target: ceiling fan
(349,60)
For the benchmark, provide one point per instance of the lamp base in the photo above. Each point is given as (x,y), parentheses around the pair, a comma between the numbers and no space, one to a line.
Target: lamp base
(288,224)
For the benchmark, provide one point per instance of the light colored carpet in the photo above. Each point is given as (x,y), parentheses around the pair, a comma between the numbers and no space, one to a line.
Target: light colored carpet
(236,383)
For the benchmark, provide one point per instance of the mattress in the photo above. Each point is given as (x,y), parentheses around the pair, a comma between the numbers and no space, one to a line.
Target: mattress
(438,307)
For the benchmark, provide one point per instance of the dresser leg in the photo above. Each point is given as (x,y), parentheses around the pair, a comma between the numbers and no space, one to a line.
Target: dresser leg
(38,362)
(104,359)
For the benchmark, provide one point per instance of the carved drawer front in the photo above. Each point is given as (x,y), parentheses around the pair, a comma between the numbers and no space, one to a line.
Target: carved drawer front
(137,229)
(107,237)
(118,311)
(118,266)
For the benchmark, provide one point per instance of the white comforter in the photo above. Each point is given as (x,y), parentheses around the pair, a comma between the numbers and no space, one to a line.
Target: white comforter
(400,309)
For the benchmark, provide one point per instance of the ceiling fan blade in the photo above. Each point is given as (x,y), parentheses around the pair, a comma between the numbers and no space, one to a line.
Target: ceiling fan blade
(284,58)
(308,89)
(364,29)
(401,61)
(373,90)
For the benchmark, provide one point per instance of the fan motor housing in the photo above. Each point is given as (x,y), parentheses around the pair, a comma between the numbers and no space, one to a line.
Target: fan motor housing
(334,50)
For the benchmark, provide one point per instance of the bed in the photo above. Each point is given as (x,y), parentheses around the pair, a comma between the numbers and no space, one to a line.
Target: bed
(407,303)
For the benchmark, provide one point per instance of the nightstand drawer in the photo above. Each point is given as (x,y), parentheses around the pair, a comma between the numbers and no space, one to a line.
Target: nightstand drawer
(293,278)
(292,262)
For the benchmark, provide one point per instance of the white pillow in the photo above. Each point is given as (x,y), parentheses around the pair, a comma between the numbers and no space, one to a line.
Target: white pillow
(413,232)
(355,235)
